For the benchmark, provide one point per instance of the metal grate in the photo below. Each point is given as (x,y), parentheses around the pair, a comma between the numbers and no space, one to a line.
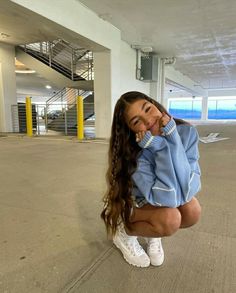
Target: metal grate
(19,118)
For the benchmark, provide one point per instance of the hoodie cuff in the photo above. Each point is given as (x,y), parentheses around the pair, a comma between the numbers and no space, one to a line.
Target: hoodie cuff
(170,128)
(151,142)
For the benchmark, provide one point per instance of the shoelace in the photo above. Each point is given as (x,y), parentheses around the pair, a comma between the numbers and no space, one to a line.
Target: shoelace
(134,247)
(154,246)
(132,244)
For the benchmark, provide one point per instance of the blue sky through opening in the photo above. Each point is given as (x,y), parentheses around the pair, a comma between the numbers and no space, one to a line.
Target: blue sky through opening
(222,108)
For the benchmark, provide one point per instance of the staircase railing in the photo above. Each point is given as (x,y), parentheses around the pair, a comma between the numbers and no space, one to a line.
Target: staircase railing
(61,108)
(75,63)
(66,96)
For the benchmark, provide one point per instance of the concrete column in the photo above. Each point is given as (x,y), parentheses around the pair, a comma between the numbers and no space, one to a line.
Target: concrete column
(102,93)
(106,90)
(7,86)
(204,108)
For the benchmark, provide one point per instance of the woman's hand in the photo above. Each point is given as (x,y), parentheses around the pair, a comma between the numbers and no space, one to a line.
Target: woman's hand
(140,135)
(164,120)
(162,123)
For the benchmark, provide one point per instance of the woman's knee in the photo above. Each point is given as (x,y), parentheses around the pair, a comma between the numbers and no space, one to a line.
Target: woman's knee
(168,223)
(196,212)
(190,213)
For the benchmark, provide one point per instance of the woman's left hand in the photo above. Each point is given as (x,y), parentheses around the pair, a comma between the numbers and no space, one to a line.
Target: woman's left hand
(164,120)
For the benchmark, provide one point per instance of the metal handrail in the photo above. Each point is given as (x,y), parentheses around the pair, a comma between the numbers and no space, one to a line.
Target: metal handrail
(66,96)
(56,96)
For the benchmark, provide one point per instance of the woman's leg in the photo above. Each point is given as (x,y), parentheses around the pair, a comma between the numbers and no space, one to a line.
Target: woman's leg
(154,222)
(150,221)
(190,213)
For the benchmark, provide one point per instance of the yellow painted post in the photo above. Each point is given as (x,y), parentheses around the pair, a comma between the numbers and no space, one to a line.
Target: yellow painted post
(80,117)
(29,125)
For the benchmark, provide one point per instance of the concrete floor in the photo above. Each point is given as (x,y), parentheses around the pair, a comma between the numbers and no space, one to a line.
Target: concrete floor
(52,238)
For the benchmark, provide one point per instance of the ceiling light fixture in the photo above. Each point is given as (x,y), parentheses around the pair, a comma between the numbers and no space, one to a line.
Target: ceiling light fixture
(146,49)
(143,48)
(48,87)
(25,71)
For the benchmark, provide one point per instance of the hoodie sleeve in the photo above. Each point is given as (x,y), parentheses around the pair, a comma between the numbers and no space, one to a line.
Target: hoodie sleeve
(185,156)
(155,177)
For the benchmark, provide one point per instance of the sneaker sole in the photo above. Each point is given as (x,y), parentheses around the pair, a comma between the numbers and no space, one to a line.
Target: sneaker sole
(136,265)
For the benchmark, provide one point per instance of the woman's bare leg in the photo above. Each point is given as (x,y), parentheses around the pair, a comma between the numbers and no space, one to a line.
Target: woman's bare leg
(150,221)
(190,213)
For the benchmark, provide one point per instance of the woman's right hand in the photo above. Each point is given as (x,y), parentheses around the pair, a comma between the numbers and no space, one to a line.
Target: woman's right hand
(140,136)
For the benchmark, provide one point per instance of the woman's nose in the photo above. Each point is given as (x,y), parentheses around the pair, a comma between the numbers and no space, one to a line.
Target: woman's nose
(147,122)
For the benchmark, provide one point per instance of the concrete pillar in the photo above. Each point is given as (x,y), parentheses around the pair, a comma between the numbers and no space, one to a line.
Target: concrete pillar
(7,86)
(204,108)
(102,93)
(106,90)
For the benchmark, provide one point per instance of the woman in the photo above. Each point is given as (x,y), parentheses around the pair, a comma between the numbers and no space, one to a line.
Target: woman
(153,177)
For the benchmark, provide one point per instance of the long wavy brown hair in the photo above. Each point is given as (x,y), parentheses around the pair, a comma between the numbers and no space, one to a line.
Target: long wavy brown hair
(123,154)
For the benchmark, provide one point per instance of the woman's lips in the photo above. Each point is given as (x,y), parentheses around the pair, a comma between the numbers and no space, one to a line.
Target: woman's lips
(153,126)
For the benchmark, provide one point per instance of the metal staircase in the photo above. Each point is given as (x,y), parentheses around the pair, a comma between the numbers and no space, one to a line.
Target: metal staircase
(72,69)
(73,62)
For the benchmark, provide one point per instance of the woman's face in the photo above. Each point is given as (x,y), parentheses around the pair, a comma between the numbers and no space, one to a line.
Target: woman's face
(143,116)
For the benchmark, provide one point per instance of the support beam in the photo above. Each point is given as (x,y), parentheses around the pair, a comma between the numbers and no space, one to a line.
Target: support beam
(179,80)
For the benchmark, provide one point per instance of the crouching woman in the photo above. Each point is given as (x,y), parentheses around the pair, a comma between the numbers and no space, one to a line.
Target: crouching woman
(153,178)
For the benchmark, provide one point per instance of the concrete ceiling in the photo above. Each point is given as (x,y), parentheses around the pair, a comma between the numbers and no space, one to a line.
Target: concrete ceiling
(22,26)
(200,34)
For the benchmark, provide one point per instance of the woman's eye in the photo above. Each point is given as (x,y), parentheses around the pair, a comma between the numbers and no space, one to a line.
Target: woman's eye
(135,122)
(148,108)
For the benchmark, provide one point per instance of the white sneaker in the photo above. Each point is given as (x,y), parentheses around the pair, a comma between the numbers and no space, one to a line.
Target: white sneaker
(132,251)
(155,251)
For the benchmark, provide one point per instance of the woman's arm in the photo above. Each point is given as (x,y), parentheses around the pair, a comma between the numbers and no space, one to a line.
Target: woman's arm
(155,177)
(185,156)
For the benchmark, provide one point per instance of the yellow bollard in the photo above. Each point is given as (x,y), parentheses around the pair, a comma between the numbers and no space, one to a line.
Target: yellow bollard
(29,126)
(80,117)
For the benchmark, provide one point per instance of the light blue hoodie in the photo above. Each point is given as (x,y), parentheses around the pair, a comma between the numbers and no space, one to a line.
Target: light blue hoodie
(168,173)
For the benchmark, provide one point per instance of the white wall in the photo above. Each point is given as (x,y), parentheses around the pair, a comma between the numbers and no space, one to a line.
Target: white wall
(128,81)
